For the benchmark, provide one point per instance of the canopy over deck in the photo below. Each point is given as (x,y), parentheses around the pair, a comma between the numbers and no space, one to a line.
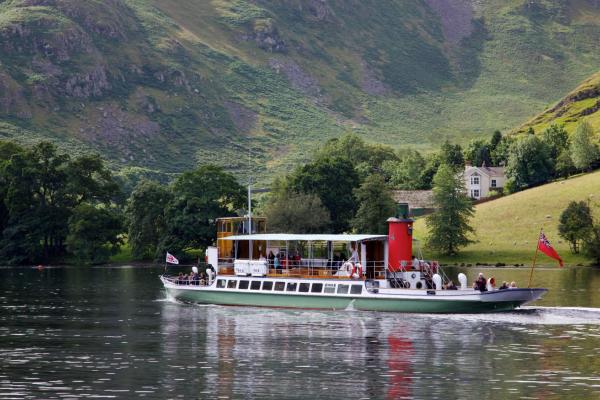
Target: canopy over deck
(286,237)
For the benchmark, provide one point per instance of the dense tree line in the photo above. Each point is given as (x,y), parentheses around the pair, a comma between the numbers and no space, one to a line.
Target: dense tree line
(53,205)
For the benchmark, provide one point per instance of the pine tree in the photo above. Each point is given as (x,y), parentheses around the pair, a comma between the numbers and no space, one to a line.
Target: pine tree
(449,225)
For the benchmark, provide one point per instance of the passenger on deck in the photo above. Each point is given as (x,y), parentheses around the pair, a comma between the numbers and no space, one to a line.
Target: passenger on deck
(271,258)
(203,279)
(354,257)
(451,286)
(503,286)
(513,285)
(481,283)
(180,278)
(185,279)
(276,263)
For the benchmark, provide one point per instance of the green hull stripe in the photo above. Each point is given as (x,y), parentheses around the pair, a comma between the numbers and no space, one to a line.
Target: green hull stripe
(340,303)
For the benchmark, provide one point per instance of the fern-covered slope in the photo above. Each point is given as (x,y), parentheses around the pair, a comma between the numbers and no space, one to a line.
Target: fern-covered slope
(259,84)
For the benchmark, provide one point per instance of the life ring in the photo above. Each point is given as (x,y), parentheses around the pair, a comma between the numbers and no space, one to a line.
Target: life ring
(356,271)
(348,268)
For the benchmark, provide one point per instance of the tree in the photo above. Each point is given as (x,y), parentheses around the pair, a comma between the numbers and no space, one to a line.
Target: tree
(406,173)
(495,140)
(145,212)
(501,151)
(94,234)
(199,198)
(575,224)
(296,213)
(529,162)
(376,205)
(333,179)
(478,153)
(564,165)
(557,140)
(449,225)
(584,152)
(591,244)
(452,155)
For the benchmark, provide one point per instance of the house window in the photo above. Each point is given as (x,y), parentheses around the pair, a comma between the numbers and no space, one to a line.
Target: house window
(474,180)
(475,194)
(493,183)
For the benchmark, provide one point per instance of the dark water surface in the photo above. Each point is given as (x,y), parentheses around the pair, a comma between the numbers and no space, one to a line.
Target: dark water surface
(111,333)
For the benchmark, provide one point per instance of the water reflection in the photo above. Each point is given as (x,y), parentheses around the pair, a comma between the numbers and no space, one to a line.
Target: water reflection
(297,354)
(89,333)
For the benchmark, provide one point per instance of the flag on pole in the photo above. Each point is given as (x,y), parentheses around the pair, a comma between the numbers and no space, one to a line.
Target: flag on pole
(171,259)
(545,247)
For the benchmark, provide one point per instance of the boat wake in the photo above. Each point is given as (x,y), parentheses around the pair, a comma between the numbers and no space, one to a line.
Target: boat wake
(534,315)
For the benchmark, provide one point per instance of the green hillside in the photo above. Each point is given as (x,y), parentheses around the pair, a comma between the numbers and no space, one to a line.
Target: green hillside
(258,85)
(508,228)
(581,103)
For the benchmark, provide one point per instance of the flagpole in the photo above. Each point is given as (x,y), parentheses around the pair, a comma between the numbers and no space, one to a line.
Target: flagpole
(537,248)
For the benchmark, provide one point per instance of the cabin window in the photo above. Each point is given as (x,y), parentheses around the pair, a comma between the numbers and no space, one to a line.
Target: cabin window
(231,284)
(356,289)
(221,283)
(343,289)
(304,287)
(255,285)
(267,285)
(329,288)
(243,285)
(279,286)
(316,288)
(291,287)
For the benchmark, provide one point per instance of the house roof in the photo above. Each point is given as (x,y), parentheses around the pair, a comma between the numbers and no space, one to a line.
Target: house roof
(414,198)
(489,171)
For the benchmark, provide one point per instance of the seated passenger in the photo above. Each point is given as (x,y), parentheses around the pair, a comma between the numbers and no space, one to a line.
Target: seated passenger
(481,283)
(503,286)
(513,285)
(451,286)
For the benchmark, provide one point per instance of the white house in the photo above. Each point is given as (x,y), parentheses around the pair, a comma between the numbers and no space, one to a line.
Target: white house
(479,181)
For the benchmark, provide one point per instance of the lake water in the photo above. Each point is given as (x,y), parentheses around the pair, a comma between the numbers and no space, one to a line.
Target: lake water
(111,333)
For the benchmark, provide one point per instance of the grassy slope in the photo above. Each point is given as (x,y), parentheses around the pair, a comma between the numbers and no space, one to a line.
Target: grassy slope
(507,228)
(516,61)
(577,105)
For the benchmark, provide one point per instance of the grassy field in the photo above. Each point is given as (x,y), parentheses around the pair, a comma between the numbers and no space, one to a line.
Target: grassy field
(581,103)
(507,228)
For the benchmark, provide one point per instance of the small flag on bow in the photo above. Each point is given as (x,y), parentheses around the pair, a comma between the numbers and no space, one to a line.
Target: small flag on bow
(171,259)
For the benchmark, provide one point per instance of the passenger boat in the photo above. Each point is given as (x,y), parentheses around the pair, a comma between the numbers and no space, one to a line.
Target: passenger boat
(311,272)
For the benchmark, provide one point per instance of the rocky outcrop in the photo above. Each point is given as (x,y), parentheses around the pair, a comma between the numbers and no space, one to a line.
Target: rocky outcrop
(456,17)
(92,83)
(12,99)
(266,36)
(369,82)
(243,118)
(297,77)
(109,126)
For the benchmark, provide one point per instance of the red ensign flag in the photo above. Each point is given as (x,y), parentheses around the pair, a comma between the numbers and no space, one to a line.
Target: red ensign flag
(545,247)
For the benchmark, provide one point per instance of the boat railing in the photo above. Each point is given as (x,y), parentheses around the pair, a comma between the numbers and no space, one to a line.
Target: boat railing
(185,280)
(313,268)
